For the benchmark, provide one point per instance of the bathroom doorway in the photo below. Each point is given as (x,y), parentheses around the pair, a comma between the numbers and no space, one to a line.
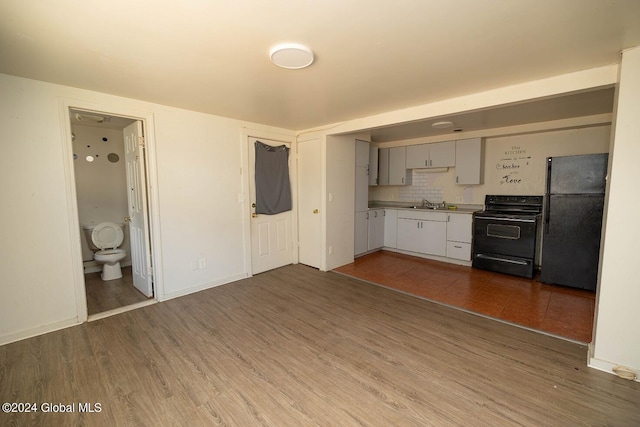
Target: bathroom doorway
(110,181)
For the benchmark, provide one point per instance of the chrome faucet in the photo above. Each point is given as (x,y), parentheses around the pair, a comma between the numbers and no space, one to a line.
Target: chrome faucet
(427,204)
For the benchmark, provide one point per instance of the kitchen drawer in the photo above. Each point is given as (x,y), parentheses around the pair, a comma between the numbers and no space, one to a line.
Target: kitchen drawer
(422,215)
(458,250)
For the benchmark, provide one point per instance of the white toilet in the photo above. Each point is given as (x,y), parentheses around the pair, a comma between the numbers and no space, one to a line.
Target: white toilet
(107,236)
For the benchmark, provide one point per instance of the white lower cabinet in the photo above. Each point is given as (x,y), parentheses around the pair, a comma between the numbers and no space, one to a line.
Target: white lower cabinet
(368,231)
(426,232)
(361,232)
(391,228)
(422,232)
(376,229)
(459,232)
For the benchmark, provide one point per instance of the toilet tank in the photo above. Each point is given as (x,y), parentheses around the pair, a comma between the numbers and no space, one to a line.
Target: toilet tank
(88,229)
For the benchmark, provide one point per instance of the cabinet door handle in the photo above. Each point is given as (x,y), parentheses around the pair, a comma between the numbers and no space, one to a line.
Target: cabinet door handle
(426,162)
(367,215)
(403,180)
(457,179)
(375,214)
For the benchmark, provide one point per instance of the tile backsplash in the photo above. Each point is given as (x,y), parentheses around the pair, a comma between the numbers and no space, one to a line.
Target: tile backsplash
(422,187)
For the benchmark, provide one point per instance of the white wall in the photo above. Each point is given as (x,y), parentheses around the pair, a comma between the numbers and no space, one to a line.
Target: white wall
(340,199)
(198,163)
(616,338)
(38,291)
(522,157)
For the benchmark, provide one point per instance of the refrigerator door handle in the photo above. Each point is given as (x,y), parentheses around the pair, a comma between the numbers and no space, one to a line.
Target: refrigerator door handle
(547,209)
(547,213)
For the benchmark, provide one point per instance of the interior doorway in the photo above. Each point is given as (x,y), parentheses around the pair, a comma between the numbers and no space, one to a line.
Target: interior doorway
(109,168)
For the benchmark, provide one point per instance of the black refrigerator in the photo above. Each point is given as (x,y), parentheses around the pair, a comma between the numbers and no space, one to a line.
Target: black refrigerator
(574,203)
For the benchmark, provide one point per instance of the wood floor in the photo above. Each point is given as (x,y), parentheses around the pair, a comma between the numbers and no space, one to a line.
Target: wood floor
(104,296)
(557,310)
(298,347)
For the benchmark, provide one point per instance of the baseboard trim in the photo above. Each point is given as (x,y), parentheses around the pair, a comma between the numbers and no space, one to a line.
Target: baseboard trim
(40,330)
(202,287)
(609,367)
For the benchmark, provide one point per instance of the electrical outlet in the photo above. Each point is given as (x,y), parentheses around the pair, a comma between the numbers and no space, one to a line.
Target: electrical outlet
(459,199)
(202,263)
(330,249)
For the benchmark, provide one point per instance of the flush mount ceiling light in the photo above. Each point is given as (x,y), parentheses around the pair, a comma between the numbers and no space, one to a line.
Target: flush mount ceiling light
(442,125)
(291,56)
(90,117)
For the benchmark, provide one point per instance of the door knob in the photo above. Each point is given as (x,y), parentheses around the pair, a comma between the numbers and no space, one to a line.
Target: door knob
(253,205)
(315,211)
(254,215)
(127,219)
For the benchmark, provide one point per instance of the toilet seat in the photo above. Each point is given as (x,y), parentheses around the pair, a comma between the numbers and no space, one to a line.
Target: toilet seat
(104,252)
(107,235)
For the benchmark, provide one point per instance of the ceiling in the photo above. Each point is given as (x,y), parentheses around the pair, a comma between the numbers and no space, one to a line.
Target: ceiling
(372,56)
(589,103)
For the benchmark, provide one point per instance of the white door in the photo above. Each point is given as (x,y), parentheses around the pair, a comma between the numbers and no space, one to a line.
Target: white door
(137,199)
(309,245)
(271,235)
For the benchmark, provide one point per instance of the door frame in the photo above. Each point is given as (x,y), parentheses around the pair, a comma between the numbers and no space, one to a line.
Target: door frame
(147,119)
(244,197)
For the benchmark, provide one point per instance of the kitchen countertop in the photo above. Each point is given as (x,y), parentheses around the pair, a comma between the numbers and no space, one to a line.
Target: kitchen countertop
(460,207)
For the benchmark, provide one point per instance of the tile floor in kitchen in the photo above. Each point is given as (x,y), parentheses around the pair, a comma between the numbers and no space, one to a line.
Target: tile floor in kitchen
(557,310)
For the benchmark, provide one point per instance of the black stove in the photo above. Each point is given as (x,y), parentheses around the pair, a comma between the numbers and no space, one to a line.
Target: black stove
(506,234)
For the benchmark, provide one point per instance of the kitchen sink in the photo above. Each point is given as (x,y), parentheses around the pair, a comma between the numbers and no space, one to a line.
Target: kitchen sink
(430,208)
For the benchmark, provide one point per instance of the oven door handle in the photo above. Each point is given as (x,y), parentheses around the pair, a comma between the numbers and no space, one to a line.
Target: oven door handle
(492,258)
(493,218)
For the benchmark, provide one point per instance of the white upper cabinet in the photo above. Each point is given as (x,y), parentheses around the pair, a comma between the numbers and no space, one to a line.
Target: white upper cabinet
(398,174)
(383,166)
(362,190)
(373,166)
(417,156)
(362,176)
(442,154)
(392,167)
(470,161)
(435,155)
(362,154)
